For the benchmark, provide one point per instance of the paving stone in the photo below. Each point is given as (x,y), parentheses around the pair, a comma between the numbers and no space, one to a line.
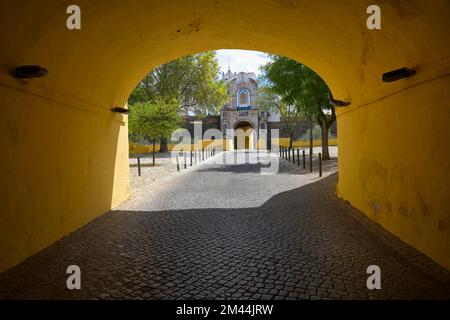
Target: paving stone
(227,232)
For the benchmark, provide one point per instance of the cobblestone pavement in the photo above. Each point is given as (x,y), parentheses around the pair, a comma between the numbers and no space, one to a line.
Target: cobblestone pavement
(164,167)
(297,241)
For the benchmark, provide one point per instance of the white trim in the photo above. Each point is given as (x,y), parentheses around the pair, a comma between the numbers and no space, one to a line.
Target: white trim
(238,93)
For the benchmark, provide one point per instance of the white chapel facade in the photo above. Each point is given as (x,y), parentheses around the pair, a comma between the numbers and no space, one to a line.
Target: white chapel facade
(242,111)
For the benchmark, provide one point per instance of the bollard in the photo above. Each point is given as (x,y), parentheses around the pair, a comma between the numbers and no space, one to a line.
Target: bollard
(139,166)
(289,154)
(185,162)
(310,162)
(279,151)
(298,157)
(304,159)
(203,154)
(320,164)
(178,163)
(293,155)
(191,157)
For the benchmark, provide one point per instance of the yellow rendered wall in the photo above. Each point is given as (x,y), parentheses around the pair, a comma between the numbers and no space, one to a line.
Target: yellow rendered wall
(304,144)
(64,154)
(62,166)
(136,148)
(394,165)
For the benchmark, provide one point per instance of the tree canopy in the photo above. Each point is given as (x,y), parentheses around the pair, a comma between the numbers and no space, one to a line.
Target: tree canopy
(150,121)
(303,90)
(299,85)
(192,81)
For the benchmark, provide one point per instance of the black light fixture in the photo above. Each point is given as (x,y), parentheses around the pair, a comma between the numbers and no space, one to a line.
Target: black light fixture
(120,110)
(398,74)
(29,72)
(337,103)
(340,103)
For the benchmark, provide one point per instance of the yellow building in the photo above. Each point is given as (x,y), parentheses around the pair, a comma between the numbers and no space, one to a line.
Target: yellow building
(65,154)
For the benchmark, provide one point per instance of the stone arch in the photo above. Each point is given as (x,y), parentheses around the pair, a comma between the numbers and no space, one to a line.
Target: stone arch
(244,135)
(244,122)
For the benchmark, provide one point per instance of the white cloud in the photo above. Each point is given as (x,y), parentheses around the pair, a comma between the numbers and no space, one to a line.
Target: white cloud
(241,60)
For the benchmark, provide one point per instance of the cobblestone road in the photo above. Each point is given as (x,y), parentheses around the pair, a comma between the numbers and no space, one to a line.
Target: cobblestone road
(226,232)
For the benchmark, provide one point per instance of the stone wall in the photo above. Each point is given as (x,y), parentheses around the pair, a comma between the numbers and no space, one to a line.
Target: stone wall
(213,122)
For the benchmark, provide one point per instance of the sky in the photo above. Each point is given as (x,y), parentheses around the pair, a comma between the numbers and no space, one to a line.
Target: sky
(241,60)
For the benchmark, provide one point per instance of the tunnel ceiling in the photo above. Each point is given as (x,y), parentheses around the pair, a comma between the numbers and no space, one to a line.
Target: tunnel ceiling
(119,42)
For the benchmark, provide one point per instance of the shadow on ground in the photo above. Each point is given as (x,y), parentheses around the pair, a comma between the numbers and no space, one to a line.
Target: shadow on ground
(301,244)
(285,166)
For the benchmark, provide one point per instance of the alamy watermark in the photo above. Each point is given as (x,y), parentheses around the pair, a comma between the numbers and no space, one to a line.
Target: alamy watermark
(74,280)
(374,280)
(73,21)
(253,142)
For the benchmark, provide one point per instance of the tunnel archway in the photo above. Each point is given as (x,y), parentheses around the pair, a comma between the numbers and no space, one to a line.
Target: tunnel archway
(243,138)
(64,121)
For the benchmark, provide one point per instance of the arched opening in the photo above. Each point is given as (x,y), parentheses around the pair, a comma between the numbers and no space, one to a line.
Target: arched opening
(243,138)
(243,98)
(64,121)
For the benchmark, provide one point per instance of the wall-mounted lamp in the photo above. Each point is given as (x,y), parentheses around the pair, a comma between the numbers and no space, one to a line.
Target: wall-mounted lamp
(398,74)
(340,103)
(337,103)
(120,110)
(29,72)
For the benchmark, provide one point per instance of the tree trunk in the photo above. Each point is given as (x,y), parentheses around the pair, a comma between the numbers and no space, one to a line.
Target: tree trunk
(163,145)
(311,146)
(153,153)
(291,137)
(325,152)
(311,126)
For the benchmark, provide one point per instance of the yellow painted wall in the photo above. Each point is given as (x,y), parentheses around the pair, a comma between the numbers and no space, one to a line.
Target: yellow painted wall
(61,167)
(136,148)
(304,144)
(393,165)
(64,158)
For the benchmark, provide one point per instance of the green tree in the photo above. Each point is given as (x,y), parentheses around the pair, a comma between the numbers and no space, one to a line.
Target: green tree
(153,121)
(303,88)
(192,81)
(291,115)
